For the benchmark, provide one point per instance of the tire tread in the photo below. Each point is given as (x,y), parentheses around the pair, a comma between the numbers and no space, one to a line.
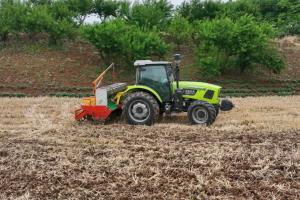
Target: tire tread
(149,98)
(211,109)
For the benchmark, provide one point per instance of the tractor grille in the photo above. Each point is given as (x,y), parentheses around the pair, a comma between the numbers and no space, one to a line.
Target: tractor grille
(209,94)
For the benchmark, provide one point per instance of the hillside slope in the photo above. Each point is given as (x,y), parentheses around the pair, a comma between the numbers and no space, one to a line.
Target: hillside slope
(35,70)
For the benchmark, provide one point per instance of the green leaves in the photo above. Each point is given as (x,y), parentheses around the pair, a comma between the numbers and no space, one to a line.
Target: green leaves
(118,41)
(282,14)
(80,8)
(180,30)
(52,18)
(199,9)
(150,14)
(106,8)
(225,44)
(11,18)
(38,19)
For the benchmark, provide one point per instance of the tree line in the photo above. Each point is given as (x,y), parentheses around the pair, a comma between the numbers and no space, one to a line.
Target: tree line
(225,36)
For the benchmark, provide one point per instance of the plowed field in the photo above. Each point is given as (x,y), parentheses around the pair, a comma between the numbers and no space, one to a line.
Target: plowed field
(252,152)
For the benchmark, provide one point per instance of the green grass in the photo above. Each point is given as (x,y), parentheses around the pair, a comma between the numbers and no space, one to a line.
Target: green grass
(32,46)
(18,86)
(14,95)
(259,90)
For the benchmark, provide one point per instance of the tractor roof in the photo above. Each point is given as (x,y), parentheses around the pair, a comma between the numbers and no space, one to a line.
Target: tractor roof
(150,62)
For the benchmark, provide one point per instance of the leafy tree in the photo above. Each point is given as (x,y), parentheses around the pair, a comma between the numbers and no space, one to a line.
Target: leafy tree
(180,30)
(268,9)
(124,9)
(282,14)
(59,30)
(81,8)
(41,2)
(225,45)
(287,19)
(199,9)
(11,17)
(62,25)
(38,19)
(59,10)
(58,25)
(117,41)
(5,20)
(236,9)
(150,14)
(106,8)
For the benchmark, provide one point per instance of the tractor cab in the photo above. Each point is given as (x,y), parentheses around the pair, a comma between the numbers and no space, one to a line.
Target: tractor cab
(157,75)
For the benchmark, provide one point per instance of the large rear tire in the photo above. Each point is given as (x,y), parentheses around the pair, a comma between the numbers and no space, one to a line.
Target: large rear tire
(201,112)
(140,108)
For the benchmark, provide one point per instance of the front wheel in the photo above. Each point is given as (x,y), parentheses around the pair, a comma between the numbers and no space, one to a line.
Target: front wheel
(201,112)
(140,108)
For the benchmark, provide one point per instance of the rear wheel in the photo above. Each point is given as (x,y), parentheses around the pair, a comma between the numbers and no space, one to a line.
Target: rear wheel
(201,112)
(140,108)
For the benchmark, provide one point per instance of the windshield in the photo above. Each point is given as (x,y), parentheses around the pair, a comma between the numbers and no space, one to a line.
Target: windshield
(155,73)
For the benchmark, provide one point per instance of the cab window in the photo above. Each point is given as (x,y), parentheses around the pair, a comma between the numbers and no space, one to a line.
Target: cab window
(155,77)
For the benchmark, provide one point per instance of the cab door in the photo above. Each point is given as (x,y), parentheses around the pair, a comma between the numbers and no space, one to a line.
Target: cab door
(155,77)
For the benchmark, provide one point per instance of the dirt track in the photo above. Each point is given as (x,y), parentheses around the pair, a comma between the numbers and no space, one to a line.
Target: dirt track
(252,152)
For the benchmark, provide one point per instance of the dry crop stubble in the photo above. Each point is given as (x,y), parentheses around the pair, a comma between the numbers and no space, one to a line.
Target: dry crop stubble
(251,152)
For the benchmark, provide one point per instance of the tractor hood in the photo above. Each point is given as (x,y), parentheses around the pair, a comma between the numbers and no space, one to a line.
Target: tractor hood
(196,85)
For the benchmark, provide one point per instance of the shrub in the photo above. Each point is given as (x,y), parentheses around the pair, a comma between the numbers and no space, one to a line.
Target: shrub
(288,20)
(38,20)
(56,21)
(80,9)
(41,2)
(117,41)
(282,14)
(106,8)
(11,18)
(5,21)
(199,9)
(59,30)
(236,9)
(60,11)
(63,25)
(224,45)
(180,30)
(150,14)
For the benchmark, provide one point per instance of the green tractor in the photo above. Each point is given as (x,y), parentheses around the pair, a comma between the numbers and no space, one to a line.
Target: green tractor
(157,91)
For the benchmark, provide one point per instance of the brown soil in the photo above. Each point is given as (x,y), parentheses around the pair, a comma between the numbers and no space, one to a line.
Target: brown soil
(290,49)
(251,152)
(75,66)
